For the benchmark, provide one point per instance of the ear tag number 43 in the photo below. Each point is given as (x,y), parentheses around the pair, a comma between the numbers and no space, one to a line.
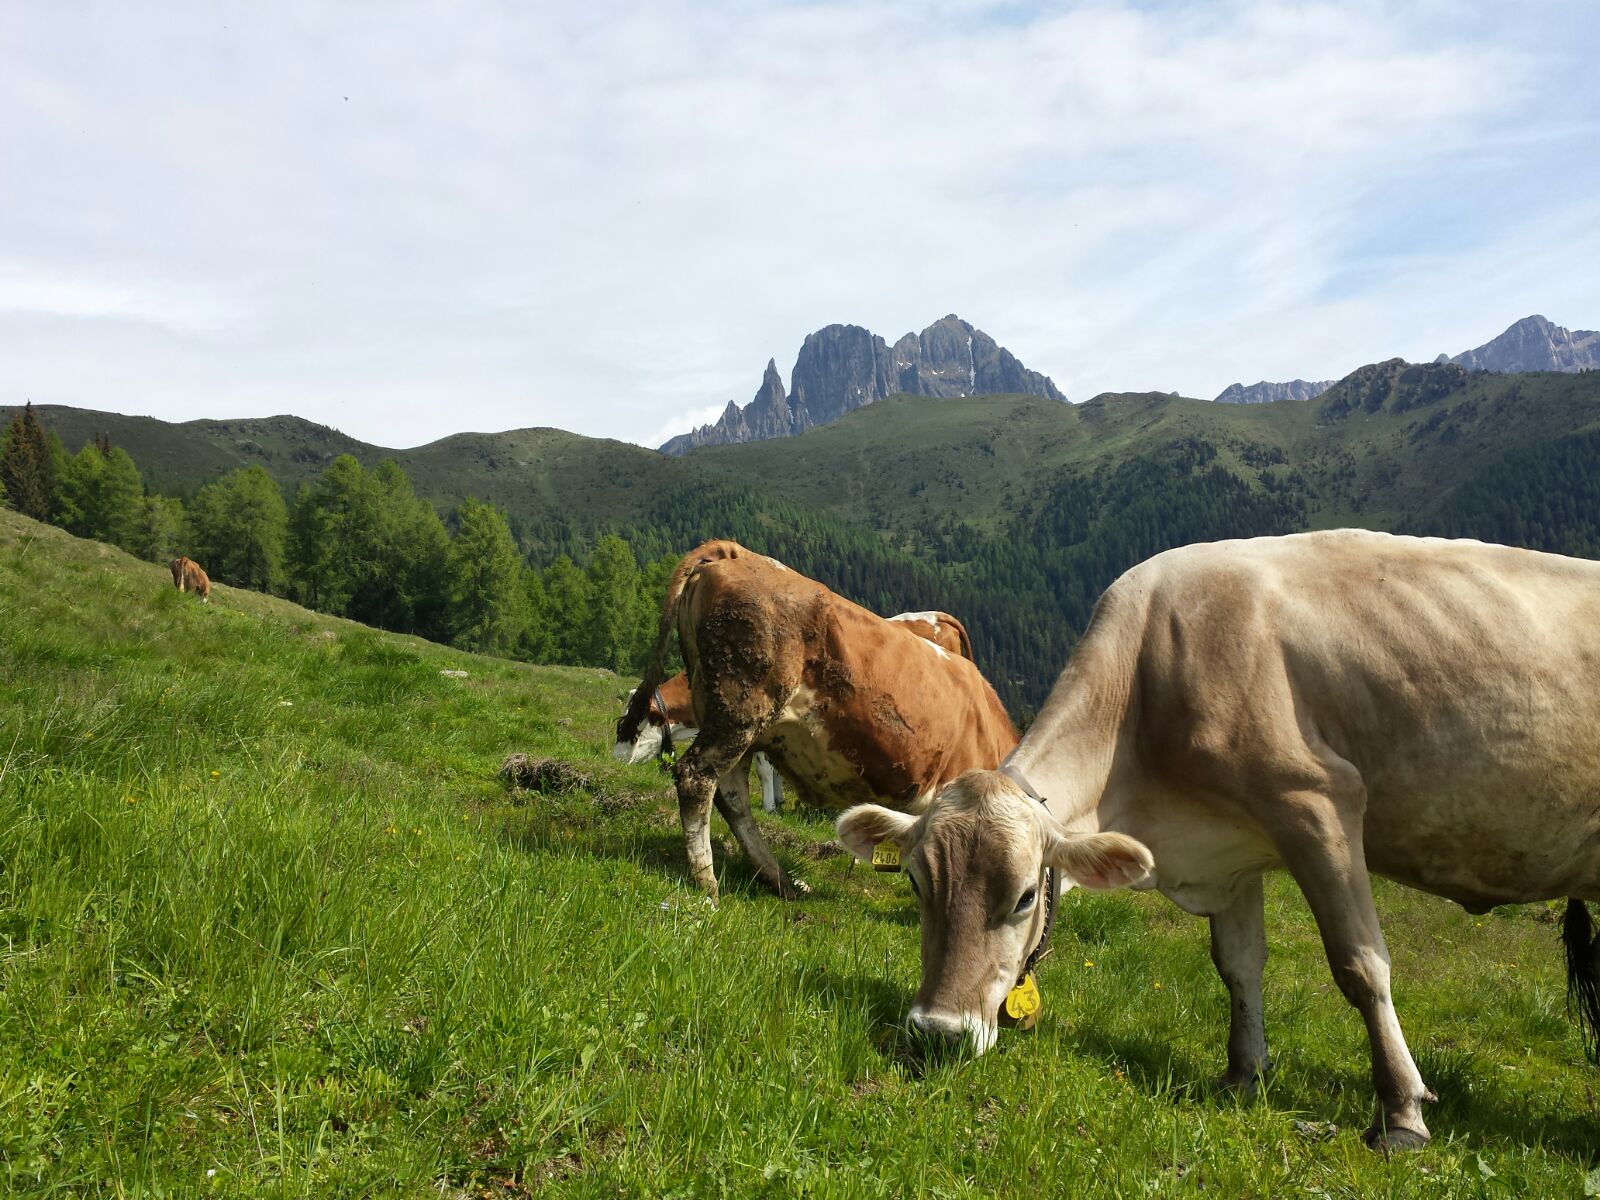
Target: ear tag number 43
(1023,1003)
(886,856)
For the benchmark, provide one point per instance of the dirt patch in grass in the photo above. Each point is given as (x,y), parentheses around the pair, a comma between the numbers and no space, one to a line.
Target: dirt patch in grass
(547,776)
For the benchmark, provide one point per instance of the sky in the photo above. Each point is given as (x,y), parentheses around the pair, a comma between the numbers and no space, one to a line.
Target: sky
(408,220)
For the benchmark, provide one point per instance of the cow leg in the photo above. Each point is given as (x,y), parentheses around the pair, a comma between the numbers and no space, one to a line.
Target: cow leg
(708,760)
(733,802)
(697,774)
(1328,861)
(1239,950)
(771,784)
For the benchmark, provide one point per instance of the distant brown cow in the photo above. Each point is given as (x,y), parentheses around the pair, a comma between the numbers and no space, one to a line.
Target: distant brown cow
(188,576)
(846,704)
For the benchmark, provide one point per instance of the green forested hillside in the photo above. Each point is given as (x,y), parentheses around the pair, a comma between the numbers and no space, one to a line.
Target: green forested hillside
(1013,512)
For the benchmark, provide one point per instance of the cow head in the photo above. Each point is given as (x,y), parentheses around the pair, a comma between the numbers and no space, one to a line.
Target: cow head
(645,742)
(646,745)
(976,860)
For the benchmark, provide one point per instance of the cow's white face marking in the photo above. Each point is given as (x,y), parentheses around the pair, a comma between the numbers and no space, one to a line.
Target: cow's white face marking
(642,749)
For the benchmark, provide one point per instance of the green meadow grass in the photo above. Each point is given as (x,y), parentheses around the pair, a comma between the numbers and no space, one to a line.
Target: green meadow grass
(270,926)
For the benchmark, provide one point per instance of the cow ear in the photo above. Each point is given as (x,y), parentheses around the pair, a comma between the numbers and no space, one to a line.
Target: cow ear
(861,829)
(1099,861)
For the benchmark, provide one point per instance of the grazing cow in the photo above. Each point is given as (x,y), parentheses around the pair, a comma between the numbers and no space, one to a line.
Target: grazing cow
(669,727)
(670,724)
(187,576)
(850,707)
(1332,703)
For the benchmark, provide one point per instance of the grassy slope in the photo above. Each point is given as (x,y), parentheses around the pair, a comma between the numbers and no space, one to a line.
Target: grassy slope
(313,947)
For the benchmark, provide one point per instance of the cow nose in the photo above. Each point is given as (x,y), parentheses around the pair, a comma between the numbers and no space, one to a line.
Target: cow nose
(938,1025)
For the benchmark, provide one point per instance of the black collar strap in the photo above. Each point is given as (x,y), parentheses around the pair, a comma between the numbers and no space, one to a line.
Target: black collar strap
(1034,955)
(665,750)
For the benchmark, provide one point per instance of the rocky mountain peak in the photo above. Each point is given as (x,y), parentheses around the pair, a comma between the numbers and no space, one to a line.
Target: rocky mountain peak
(1533,344)
(841,368)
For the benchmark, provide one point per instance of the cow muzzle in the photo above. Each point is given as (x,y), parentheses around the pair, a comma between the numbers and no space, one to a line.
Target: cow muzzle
(954,1029)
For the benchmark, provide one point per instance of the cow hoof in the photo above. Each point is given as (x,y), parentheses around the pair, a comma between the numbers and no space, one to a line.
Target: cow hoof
(792,889)
(1243,1086)
(1395,1138)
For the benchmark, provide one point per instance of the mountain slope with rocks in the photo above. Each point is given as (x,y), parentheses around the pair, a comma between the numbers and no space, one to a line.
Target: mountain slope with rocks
(1271,393)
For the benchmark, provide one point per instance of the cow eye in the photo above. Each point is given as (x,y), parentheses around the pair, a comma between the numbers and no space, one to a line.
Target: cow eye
(1025,902)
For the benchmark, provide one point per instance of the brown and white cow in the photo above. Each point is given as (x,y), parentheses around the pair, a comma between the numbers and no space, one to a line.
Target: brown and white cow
(1332,703)
(187,576)
(669,728)
(670,722)
(850,707)
(940,628)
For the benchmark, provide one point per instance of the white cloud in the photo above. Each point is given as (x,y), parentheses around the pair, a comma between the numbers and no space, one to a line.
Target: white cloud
(419,218)
(682,422)
(34,291)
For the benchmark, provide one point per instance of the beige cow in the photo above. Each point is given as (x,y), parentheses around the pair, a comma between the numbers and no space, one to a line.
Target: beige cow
(1329,703)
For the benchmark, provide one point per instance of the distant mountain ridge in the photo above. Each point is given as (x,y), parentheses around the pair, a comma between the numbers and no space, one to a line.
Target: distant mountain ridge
(1271,393)
(1533,344)
(841,368)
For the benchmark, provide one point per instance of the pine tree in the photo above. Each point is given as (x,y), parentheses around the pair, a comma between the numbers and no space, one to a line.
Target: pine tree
(488,601)
(101,495)
(162,529)
(569,595)
(538,642)
(614,608)
(28,467)
(239,526)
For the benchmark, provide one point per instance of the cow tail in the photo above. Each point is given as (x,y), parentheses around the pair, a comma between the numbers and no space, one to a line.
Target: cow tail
(1583,974)
(966,641)
(633,718)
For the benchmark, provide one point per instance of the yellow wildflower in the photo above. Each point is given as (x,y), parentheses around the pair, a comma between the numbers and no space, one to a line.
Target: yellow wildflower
(131,799)
(216,774)
(1088,963)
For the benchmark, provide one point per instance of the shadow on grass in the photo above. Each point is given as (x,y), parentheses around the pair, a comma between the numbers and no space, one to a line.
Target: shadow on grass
(1470,1106)
(883,1007)
(1150,1062)
(641,827)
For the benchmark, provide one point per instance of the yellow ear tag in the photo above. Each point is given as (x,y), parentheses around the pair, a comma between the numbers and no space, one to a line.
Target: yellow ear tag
(1023,1002)
(886,856)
